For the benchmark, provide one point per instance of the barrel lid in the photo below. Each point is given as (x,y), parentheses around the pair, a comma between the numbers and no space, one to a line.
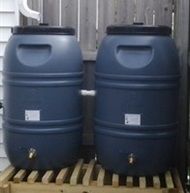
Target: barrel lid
(43,29)
(138,29)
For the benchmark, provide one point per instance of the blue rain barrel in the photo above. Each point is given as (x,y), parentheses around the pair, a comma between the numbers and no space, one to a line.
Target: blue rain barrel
(42,77)
(137,84)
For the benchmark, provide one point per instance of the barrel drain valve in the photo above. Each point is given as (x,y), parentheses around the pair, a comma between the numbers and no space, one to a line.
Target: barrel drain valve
(32,153)
(131,159)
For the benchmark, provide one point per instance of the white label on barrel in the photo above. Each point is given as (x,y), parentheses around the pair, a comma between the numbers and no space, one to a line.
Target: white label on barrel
(32,115)
(132,119)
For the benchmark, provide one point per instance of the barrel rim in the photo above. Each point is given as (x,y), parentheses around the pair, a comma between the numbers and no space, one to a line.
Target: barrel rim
(139,29)
(42,30)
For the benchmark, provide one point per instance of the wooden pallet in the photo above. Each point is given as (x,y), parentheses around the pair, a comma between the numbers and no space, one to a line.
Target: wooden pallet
(85,178)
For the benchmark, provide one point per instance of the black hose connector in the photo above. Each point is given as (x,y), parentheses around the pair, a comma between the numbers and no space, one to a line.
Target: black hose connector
(1,105)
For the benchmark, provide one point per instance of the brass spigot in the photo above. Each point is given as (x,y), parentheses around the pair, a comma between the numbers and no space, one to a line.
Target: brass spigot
(131,159)
(32,153)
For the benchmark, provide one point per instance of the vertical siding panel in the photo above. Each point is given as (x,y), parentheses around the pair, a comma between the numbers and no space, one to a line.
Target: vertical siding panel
(8,12)
(51,12)
(163,12)
(3,163)
(34,5)
(106,16)
(88,25)
(144,11)
(7,5)
(125,11)
(70,13)
(1,63)
(182,39)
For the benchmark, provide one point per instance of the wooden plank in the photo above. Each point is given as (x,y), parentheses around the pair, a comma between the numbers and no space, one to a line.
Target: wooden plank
(32,177)
(101,177)
(115,180)
(106,16)
(181,35)
(69,13)
(75,175)
(88,25)
(129,181)
(156,182)
(144,11)
(169,181)
(51,12)
(163,12)
(47,177)
(67,188)
(6,175)
(5,189)
(125,10)
(38,187)
(89,173)
(19,176)
(61,176)
(177,181)
(142,182)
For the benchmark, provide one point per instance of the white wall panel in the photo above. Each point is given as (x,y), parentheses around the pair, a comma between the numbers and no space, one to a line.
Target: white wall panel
(1,135)
(7,5)
(2,48)
(7,19)
(5,33)
(3,163)
(1,63)
(1,95)
(2,151)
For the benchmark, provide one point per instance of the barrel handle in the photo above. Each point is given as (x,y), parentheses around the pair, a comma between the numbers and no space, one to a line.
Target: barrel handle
(134,56)
(40,53)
